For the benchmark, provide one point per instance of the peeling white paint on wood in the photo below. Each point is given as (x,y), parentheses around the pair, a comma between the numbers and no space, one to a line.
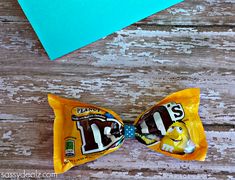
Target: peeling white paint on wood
(7,135)
(12,118)
(22,150)
(196,12)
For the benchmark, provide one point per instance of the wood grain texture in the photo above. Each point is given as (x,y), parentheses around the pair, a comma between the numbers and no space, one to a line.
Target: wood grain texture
(189,45)
(29,152)
(188,13)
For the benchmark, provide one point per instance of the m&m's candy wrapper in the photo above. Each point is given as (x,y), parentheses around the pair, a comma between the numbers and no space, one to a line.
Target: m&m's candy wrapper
(85,132)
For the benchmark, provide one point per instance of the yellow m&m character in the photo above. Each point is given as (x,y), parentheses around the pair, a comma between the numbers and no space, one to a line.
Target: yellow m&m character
(177,139)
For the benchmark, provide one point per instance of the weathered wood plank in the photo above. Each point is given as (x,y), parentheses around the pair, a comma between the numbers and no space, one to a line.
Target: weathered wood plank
(188,13)
(85,174)
(139,44)
(128,71)
(196,13)
(25,98)
(29,146)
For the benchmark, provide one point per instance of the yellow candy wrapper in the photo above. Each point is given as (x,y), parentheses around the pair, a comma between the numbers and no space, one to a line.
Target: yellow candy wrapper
(82,132)
(85,132)
(173,126)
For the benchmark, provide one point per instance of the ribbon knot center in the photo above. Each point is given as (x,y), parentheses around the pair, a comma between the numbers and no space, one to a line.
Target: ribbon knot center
(129,131)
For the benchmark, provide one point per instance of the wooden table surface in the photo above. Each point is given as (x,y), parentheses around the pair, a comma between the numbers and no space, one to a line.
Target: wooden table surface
(189,45)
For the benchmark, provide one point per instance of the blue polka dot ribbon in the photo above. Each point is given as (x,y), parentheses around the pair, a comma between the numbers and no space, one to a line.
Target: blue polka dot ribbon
(129,131)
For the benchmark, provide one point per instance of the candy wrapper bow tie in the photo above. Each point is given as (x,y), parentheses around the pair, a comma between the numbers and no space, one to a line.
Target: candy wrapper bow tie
(85,132)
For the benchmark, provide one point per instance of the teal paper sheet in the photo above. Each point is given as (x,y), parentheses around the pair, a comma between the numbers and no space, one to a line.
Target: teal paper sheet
(66,25)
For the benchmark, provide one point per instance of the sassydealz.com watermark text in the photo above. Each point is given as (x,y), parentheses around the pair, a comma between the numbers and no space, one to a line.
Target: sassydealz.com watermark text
(26,174)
